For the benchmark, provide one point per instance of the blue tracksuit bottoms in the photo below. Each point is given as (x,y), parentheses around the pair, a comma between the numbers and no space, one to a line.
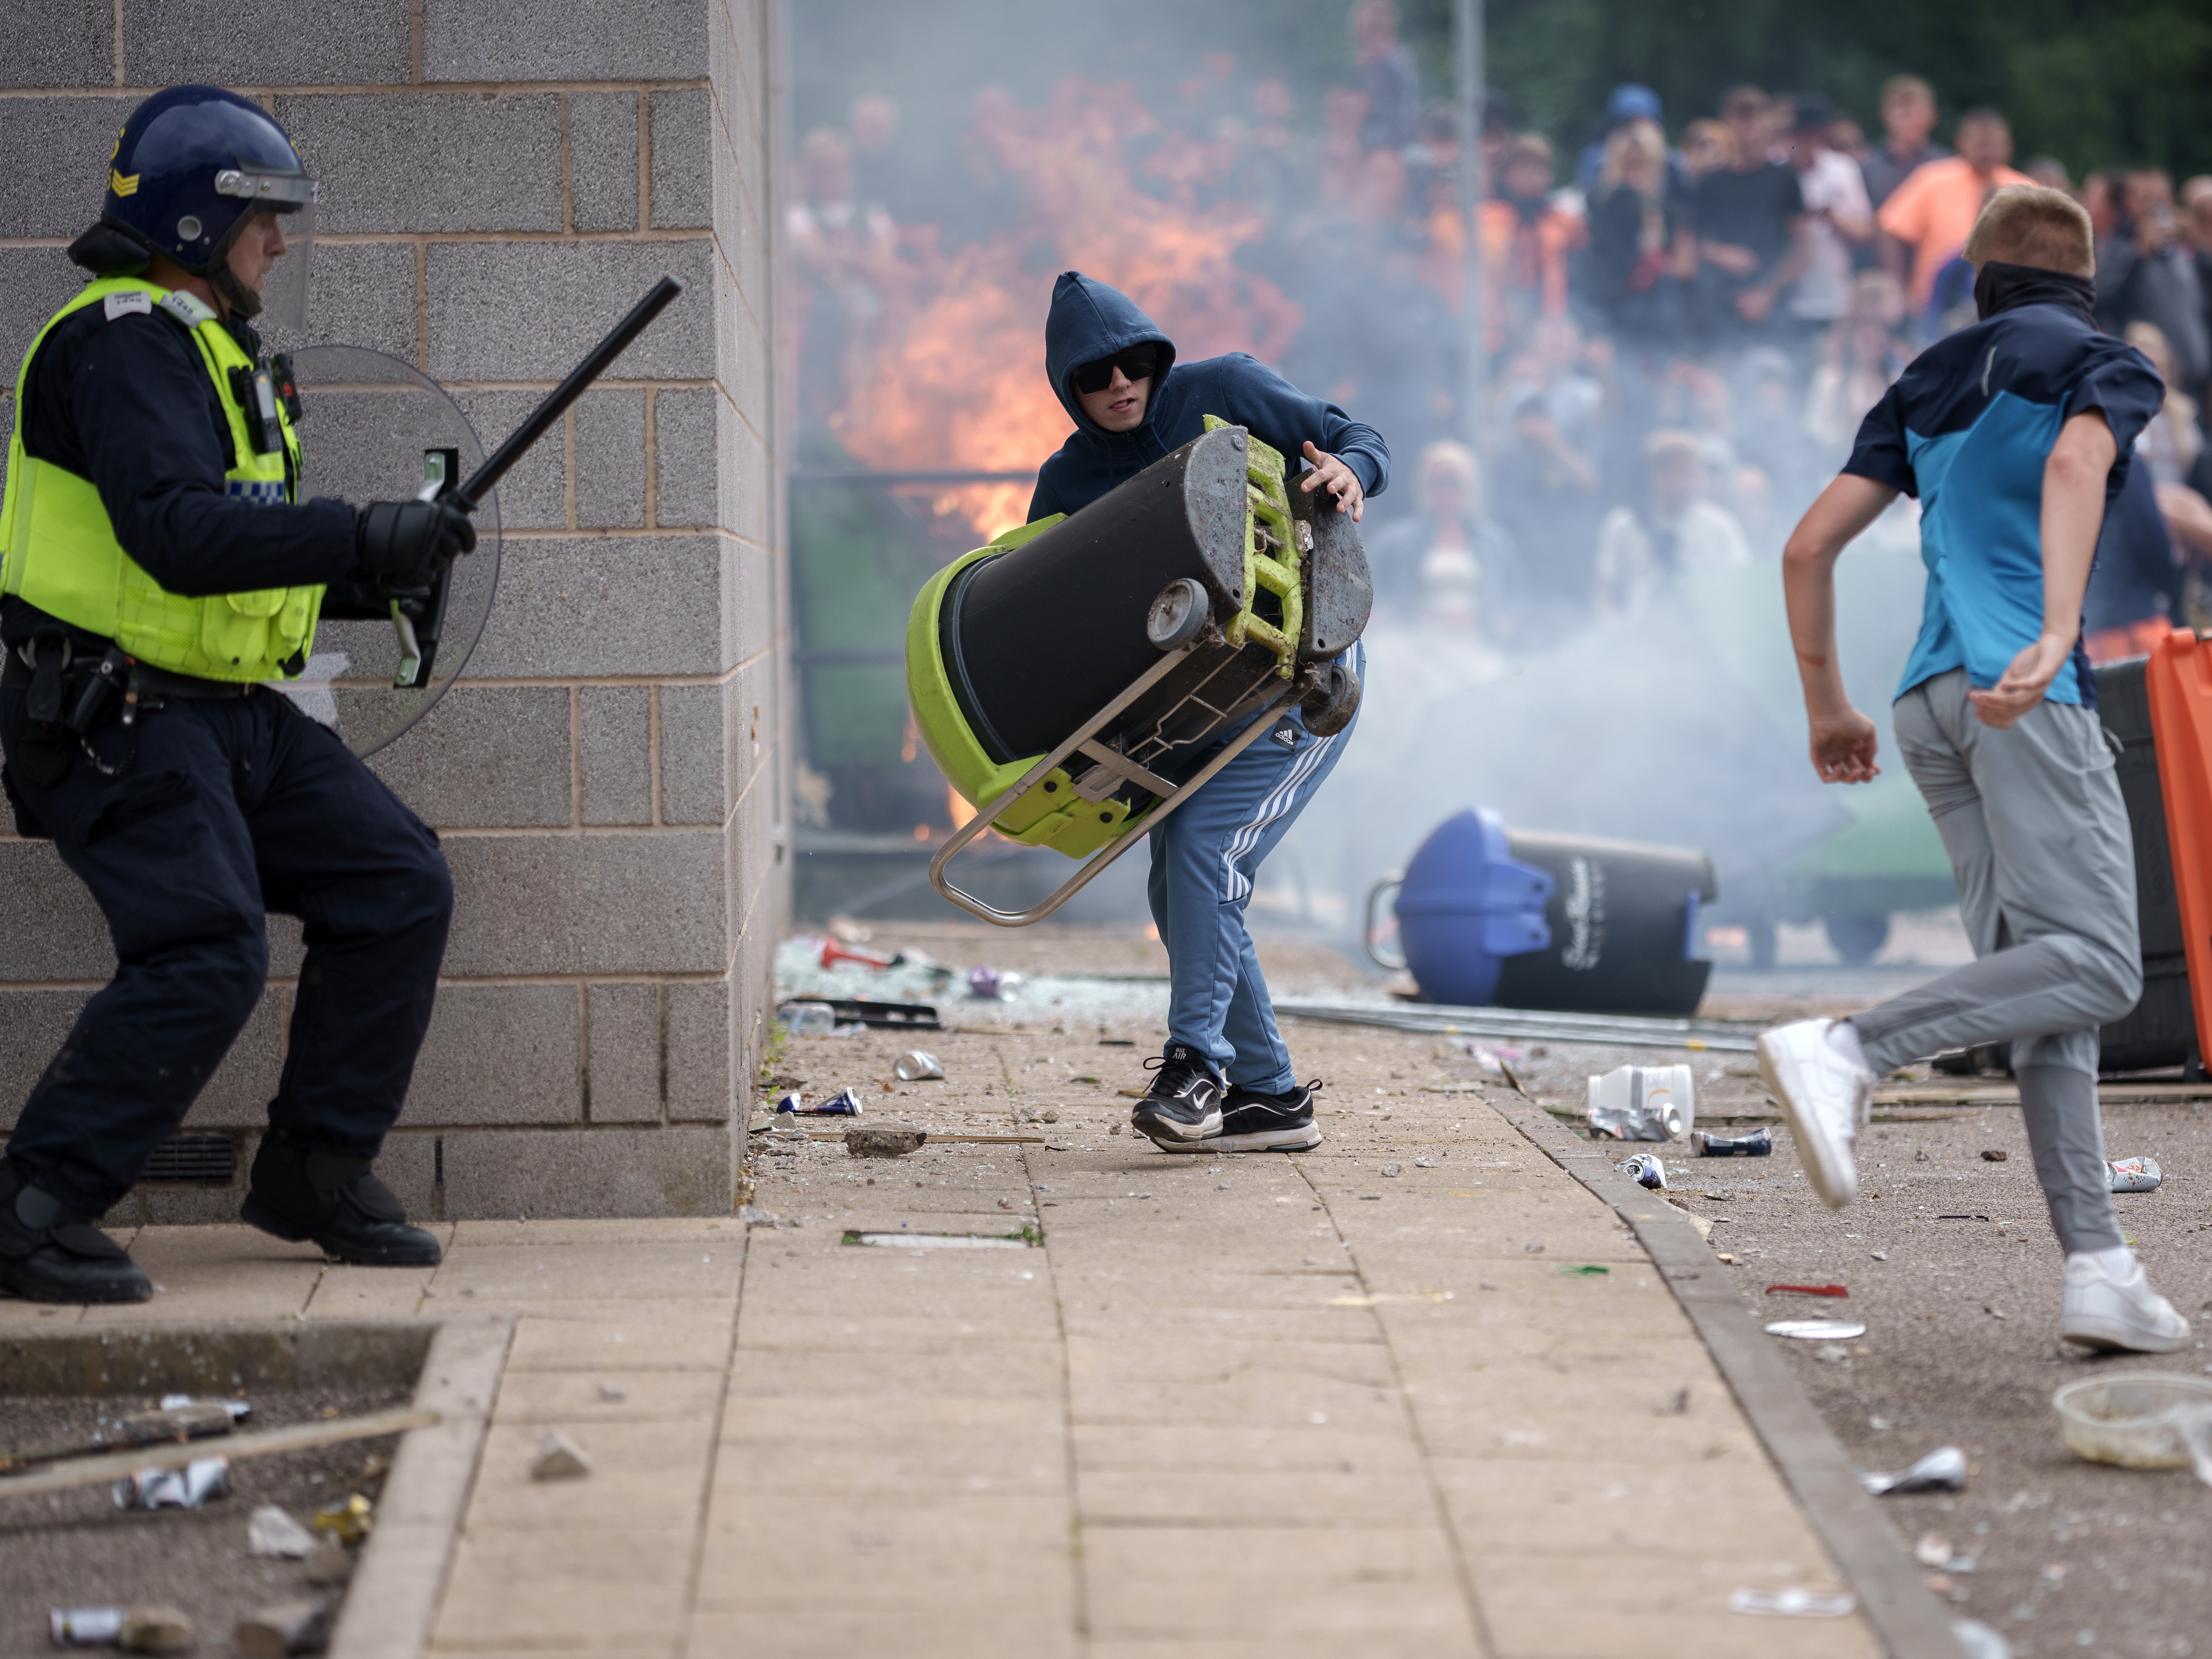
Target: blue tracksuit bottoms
(1203,858)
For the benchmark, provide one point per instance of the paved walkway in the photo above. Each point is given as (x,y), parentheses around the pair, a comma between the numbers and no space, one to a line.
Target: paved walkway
(1416,1394)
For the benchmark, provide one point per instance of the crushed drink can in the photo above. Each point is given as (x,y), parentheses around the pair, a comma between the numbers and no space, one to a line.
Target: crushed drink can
(843,1103)
(917,1066)
(1760,1143)
(2133,1174)
(1646,1170)
(240,1410)
(1641,1102)
(187,1488)
(85,1627)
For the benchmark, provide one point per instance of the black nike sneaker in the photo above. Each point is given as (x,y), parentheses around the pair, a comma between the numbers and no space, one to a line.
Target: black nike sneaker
(1253,1122)
(1184,1107)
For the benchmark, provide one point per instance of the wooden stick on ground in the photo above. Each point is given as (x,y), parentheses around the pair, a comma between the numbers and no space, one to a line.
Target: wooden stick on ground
(112,1465)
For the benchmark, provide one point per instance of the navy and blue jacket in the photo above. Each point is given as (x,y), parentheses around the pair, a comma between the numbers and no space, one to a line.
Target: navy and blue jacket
(1967,429)
(1089,320)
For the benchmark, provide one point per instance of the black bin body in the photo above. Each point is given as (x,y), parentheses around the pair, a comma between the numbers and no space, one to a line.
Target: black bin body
(1623,923)
(2162,1030)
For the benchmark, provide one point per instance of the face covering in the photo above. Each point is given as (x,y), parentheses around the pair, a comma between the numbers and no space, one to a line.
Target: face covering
(2000,286)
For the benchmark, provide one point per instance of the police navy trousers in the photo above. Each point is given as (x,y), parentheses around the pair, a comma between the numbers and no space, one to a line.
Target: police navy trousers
(1204,857)
(232,807)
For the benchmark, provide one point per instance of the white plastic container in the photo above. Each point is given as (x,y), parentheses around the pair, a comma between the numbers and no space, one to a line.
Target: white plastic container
(1643,1102)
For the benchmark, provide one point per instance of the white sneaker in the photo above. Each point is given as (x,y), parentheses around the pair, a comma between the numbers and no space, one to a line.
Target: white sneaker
(2107,1309)
(1824,1097)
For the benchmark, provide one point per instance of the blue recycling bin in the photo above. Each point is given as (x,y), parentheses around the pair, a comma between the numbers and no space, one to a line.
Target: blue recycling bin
(1525,918)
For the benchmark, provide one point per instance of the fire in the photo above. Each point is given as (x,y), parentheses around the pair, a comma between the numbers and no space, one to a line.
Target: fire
(959,385)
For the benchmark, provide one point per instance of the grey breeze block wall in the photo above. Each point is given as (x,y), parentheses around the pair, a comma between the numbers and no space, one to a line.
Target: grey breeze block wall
(502,179)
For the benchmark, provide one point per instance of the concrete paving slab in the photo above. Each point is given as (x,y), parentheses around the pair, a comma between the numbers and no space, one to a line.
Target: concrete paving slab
(584,1589)
(555,1398)
(1009,1370)
(543,1273)
(644,1477)
(645,1335)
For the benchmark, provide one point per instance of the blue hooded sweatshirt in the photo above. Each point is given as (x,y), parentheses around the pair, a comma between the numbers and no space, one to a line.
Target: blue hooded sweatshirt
(1089,320)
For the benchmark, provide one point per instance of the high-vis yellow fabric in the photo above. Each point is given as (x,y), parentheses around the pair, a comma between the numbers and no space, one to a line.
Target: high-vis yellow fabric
(58,549)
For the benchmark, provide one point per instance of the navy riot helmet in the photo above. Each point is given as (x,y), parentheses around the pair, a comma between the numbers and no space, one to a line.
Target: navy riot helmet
(192,165)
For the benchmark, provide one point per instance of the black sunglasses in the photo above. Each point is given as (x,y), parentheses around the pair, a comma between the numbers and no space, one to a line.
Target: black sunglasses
(1139,363)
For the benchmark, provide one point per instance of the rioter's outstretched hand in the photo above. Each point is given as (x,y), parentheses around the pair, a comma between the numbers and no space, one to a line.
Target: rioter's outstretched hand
(1844,746)
(1342,481)
(2023,683)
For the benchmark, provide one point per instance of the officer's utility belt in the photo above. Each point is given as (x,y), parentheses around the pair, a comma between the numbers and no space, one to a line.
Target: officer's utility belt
(72,682)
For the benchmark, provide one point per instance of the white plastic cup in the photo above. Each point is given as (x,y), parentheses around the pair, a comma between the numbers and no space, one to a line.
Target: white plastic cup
(1643,1102)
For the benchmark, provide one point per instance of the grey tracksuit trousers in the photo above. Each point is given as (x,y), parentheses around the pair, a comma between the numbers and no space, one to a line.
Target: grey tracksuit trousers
(2038,835)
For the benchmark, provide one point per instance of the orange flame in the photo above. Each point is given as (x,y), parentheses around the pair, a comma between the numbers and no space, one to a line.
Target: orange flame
(959,384)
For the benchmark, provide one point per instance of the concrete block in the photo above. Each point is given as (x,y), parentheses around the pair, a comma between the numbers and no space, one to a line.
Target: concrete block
(481,331)
(34,283)
(408,1165)
(683,159)
(602,129)
(71,139)
(685,460)
(588,1172)
(238,1095)
(33,1023)
(486,757)
(702,1075)
(54,931)
(650,902)
(564,39)
(362,294)
(534,496)
(501,1053)
(59,43)
(625,1054)
(617,749)
(695,736)
(264,43)
(611,460)
(431,161)
(190,1206)
(599,607)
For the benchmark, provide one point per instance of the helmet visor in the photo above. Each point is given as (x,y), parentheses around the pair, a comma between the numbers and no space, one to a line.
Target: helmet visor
(290,198)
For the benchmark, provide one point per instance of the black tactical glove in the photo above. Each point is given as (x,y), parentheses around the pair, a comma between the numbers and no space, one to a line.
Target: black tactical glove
(407,544)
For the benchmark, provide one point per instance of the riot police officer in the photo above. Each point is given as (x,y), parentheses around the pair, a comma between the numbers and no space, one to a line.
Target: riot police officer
(155,571)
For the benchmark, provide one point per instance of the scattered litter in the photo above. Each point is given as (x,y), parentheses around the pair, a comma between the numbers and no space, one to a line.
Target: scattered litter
(847,1014)
(918,1065)
(329,1564)
(833,953)
(1943,1469)
(560,1458)
(187,1488)
(1719,1194)
(613,1394)
(751,1215)
(2145,1420)
(1392,1169)
(1809,1290)
(1641,1102)
(270,1531)
(1817,1330)
(1994,1155)
(1979,1641)
(1879,1255)
(237,1410)
(1791,1604)
(1994,1313)
(1962,1218)
(190,1420)
(1760,1143)
(1833,1353)
(1532,1249)
(349,1519)
(844,1103)
(1424,1164)
(884,1141)
(1113,1129)
(287,1628)
(993,984)
(2134,1174)
(84,1627)
(807,1019)
(1934,1550)
(1584,1270)
(157,1628)
(1645,1170)
(1049,1116)
(941,1240)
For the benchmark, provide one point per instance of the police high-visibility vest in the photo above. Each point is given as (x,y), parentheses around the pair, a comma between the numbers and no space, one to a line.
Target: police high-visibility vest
(58,546)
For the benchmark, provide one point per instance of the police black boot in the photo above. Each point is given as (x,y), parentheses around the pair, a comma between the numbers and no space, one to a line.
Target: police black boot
(49,1253)
(1184,1104)
(297,1193)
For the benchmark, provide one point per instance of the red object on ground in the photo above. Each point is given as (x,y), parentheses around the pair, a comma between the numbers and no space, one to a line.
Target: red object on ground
(833,953)
(1809,1290)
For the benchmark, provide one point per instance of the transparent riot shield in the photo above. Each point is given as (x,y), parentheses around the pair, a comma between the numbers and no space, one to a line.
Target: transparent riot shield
(373,428)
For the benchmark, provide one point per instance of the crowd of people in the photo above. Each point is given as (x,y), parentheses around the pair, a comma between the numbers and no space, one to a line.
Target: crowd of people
(1679,328)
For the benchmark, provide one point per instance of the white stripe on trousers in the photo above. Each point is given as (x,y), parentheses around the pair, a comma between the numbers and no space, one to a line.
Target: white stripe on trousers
(1272,806)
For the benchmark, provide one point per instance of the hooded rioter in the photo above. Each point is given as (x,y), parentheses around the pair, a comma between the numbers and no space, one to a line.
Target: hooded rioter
(158,572)
(1224,1081)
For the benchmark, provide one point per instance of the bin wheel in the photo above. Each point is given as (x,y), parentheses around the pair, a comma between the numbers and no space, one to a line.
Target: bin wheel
(1857,935)
(1179,615)
(1329,707)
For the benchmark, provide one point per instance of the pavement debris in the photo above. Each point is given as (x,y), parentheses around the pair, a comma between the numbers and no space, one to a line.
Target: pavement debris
(2134,1174)
(329,1564)
(349,1519)
(238,1410)
(613,1394)
(1792,1604)
(1641,1102)
(270,1531)
(1817,1330)
(288,1627)
(1979,1641)
(917,1065)
(1933,1550)
(188,1488)
(884,1141)
(846,1102)
(1943,1469)
(1646,1170)
(1995,1155)
(1808,1290)
(190,1419)
(1759,1143)
(993,984)
(155,1628)
(559,1458)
